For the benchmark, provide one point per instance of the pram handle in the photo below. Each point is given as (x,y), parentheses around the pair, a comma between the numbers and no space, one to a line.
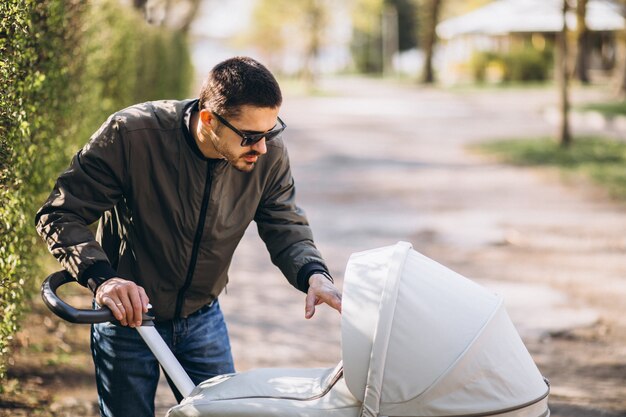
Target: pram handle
(69,313)
(147,331)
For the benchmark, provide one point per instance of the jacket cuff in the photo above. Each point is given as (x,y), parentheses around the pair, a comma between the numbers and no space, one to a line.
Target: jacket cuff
(309,269)
(96,274)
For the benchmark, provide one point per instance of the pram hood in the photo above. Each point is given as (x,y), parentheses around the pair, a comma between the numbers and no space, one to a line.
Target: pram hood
(417,340)
(421,340)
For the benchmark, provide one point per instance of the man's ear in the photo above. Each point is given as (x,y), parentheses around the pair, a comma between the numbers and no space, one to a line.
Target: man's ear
(206,118)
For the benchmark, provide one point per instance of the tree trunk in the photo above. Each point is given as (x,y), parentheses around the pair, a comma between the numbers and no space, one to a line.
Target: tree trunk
(619,77)
(620,61)
(139,4)
(315,24)
(430,40)
(562,75)
(390,38)
(194,6)
(582,41)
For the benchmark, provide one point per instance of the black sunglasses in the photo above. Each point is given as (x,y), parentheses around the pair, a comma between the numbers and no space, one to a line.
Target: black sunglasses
(249,138)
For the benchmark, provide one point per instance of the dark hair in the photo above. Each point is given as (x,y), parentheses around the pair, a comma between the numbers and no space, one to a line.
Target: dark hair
(236,82)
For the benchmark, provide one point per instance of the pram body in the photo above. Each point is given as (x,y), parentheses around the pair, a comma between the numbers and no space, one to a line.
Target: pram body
(418,340)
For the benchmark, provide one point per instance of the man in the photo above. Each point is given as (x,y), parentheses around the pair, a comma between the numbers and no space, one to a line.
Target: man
(175,185)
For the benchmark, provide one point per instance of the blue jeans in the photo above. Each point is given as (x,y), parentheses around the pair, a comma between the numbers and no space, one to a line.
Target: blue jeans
(127,373)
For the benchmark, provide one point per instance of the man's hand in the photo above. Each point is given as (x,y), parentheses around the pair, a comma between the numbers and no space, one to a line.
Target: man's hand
(321,290)
(126,300)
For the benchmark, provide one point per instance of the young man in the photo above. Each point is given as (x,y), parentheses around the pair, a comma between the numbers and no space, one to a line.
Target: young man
(175,184)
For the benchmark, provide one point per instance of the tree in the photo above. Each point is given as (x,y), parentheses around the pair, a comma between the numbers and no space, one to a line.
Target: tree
(366,43)
(290,27)
(268,34)
(582,42)
(562,74)
(408,24)
(175,14)
(368,19)
(315,15)
(390,41)
(431,18)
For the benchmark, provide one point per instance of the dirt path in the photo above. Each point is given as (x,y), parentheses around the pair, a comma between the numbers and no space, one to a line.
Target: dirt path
(376,163)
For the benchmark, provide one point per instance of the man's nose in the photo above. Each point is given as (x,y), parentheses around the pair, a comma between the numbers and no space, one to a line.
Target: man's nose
(260,147)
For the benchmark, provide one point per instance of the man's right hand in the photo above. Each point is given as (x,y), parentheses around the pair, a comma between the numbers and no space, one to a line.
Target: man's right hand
(126,300)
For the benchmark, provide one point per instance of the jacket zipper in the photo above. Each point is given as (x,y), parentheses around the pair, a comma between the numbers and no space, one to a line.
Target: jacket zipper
(196,241)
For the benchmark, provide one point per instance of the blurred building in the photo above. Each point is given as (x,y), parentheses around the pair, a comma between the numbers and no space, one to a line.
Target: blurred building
(482,43)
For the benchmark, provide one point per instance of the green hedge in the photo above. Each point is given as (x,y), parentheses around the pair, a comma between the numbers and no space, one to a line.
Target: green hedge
(30,75)
(127,61)
(65,65)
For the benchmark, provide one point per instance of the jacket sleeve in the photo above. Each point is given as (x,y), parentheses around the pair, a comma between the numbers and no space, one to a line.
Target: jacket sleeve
(92,184)
(284,227)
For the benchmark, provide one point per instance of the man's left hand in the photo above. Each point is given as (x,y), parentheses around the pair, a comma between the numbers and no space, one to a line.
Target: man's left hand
(321,290)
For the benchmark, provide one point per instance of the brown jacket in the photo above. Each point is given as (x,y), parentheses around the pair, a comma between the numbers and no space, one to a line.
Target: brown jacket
(170,219)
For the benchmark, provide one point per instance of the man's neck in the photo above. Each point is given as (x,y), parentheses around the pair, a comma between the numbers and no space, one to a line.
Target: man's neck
(205,145)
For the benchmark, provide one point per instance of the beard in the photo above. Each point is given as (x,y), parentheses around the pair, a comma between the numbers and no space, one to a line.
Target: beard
(241,164)
(235,159)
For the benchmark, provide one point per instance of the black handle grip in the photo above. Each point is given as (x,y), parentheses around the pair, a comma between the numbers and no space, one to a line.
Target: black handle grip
(66,311)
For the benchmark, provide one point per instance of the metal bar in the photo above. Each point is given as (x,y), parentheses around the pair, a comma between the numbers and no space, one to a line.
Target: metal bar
(166,358)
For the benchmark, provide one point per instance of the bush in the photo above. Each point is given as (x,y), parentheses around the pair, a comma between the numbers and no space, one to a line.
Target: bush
(527,64)
(125,61)
(479,63)
(32,77)
(521,65)
(65,65)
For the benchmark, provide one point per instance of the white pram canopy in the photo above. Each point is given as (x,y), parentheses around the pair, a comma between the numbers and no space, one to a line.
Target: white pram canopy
(417,340)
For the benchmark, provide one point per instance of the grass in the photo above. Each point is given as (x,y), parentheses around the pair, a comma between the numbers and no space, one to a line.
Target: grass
(610,109)
(602,160)
(504,86)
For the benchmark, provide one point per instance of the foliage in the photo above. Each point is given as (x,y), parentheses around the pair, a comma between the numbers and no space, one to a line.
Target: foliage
(294,29)
(32,77)
(367,37)
(481,62)
(269,35)
(602,160)
(522,64)
(126,61)
(528,64)
(64,66)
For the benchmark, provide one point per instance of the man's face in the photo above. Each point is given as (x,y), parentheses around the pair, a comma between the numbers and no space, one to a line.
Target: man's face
(227,143)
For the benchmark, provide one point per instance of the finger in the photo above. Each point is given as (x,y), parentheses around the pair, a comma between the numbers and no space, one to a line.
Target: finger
(333,299)
(309,305)
(336,303)
(137,305)
(126,307)
(144,299)
(110,303)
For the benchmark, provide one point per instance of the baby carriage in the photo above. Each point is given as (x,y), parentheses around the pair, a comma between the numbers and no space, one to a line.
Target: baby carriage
(418,340)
